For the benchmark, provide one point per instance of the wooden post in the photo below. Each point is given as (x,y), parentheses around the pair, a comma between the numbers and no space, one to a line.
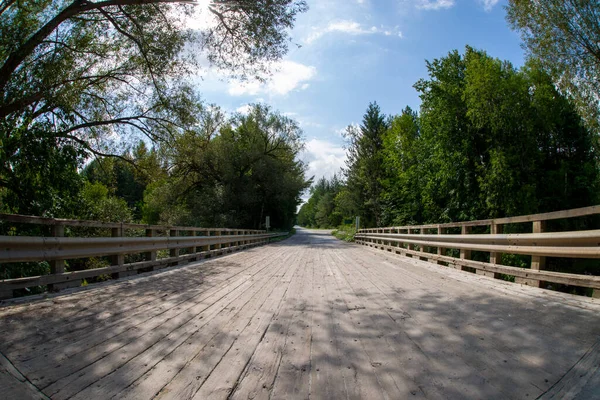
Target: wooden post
(194,249)
(174,252)
(217,233)
(206,248)
(410,245)
(58,266)
(424,256)
(537,262)
(151,255)
(464,253)
(119,259)
(440,250)
(495,258)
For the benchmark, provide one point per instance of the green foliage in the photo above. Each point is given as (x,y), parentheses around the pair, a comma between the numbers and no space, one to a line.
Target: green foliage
(231,173)
(81,79)
(497,141)
(364,170)
(321,210)
(490,141)
(563,36)
(40,178)
(98,205)
(345,233)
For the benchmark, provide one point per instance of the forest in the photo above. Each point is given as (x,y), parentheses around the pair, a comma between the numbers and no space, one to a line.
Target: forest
(101,121)
(489,140)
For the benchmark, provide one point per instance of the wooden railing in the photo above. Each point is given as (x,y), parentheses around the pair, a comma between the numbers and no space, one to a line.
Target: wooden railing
(434,240)
(145,241)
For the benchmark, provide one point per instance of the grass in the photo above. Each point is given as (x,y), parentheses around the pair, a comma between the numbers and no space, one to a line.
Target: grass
(345,233)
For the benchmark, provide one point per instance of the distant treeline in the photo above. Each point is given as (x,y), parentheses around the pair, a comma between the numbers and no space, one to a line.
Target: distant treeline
(490,140)
(223,172)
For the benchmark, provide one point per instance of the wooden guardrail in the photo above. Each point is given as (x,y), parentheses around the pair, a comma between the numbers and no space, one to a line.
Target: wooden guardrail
(145,241)
(433,242)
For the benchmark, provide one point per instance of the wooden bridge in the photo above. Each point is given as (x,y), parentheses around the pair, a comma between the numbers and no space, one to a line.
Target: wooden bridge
(308,317)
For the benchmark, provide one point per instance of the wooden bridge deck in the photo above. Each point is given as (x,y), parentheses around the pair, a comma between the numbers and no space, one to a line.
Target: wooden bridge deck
(308,317)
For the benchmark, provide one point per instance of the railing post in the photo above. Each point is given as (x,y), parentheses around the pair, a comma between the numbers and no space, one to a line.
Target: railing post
(464,253)
(151,255)
(206,248)
(57,266)
(422,247)
(218,245)
(495,258)
(441,251)
(410,245)
(194,249)
(537,262)
(119,259)
(174,252)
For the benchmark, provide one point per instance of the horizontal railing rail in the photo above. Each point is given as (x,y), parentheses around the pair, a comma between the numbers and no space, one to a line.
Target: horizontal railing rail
(418,241)
(576,212)
(28,219)
(59,248)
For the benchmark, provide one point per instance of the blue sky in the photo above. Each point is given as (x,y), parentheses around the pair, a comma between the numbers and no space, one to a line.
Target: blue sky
(354,52)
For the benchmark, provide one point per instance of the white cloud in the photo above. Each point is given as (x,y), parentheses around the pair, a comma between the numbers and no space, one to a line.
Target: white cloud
(436,4)
(342,131)
(488,4)
(244,109)
(350,27)
(288,76)
(323,158)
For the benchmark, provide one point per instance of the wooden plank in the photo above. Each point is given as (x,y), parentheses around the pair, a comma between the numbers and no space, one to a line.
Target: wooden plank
(172,327)
(360,372)
(14,386)
(578,212)
(191,377)
(225,376)
(293,373)
(550,276)
(259,375)
(163,373)
(191,333)
(386,359)
(361,324)
(581,382)
(398,325)
(557,307)
(29,219)
(329,373)
(81,338)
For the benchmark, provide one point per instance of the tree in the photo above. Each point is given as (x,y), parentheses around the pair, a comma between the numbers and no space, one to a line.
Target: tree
(321,210)
(91,74)
(565,36)
(497,141)
(401,195)
(232,173)
(364,169)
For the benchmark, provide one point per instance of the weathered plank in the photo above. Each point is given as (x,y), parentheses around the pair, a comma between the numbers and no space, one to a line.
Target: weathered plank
(311,317)
(14,386)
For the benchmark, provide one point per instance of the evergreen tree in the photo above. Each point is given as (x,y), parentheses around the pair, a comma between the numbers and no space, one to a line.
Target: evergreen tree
(364,166)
